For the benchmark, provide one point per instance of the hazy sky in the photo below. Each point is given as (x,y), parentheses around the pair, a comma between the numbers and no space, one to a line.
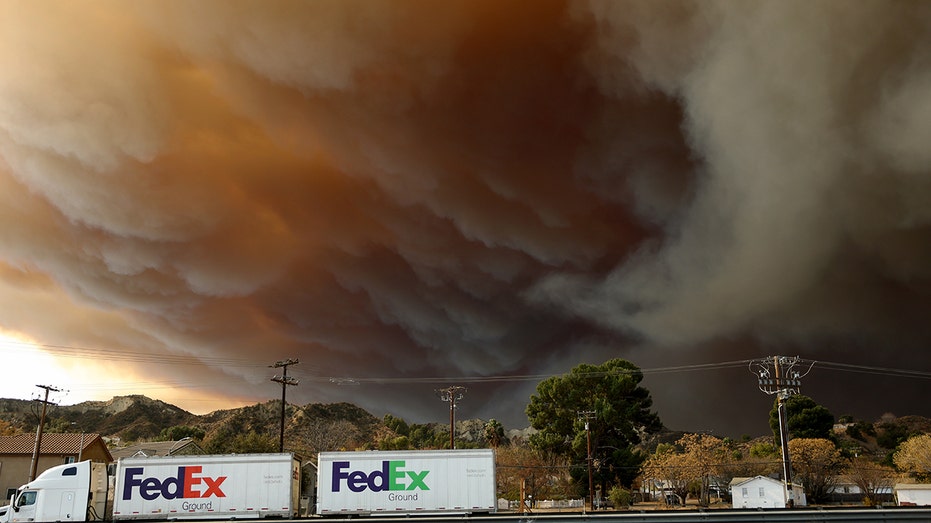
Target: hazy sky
(416,194)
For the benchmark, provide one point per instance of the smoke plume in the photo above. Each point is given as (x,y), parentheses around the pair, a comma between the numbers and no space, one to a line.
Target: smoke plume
(405,194)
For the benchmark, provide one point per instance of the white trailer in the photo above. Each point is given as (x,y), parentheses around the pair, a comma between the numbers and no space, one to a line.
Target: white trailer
(207,487)
(406,482)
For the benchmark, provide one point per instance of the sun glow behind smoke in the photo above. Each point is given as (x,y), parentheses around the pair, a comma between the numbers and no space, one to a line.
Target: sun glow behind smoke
(27,364)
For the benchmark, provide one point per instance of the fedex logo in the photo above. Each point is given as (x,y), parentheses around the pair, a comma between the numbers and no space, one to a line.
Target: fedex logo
(184,485)
(392,476)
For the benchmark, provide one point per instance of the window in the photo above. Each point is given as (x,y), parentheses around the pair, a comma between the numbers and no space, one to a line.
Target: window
(745,492)
(26,498)
(762,492)
(70,471)
(70,459)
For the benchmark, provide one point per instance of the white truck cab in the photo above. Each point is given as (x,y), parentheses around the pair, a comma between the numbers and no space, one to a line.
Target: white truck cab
(71,492)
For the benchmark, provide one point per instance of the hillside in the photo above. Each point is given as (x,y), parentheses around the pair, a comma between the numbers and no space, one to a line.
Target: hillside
(128,419)
(314,427)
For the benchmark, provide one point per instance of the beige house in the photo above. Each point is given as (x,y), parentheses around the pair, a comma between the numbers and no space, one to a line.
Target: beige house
(57,448)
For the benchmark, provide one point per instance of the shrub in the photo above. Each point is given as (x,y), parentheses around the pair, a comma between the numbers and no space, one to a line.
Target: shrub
(620,497)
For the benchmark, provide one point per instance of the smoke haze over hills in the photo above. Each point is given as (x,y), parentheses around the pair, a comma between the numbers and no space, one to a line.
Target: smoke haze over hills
(409,194)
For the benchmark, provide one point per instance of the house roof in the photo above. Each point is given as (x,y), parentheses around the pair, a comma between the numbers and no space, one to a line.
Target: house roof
(912,486)
(158,448)
(52,443)
(738,481)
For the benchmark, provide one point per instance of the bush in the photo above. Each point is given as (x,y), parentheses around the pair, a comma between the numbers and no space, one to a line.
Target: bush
(620,497)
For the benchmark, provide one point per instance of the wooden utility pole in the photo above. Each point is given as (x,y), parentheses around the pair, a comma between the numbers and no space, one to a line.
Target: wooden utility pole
(778,376)
(452,395)
(33,469)
(587,415)
(284,380)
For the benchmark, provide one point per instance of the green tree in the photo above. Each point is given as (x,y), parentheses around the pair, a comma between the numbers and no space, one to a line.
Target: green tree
(252,442)
(179,432)
(609,399)
(494,433)
(804,418)
(398,425)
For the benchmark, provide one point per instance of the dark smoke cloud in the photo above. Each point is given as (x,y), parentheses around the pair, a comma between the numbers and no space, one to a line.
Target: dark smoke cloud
(404,190)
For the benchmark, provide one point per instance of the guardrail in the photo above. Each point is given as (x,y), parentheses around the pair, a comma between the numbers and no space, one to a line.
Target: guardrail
(797,515)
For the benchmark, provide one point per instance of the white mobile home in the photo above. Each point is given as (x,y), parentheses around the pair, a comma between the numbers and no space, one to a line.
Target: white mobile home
(763,492)
(913,494)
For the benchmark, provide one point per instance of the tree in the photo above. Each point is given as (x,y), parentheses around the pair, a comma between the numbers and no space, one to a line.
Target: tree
(536,473)
(804,418)
(494,433)
(253,443)
(179,432)
(914,456)
(670,469)
(7,428)
(617,410)
(695,459)
(816,463)
(872,478)
(708,457)
(398,425)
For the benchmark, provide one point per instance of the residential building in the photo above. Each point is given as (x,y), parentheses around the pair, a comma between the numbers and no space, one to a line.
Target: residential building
(57,448)
(763,492)
(181,447)
(913,494)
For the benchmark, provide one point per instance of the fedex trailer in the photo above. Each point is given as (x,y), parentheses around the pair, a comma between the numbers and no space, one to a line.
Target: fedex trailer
(406,482)
(207,487)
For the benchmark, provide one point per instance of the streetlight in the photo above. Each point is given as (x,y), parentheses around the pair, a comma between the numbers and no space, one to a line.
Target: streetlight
(186,438)
(81,448)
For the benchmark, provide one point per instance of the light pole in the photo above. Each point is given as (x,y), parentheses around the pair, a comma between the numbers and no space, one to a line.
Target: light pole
(81,447)
(172,449)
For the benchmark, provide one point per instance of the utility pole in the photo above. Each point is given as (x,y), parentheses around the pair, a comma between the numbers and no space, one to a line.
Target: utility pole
(284,380)
(452,395)
(587,415)
(778,376)
(35,453)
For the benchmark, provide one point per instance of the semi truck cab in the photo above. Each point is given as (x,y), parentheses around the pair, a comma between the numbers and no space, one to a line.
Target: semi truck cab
(71,492)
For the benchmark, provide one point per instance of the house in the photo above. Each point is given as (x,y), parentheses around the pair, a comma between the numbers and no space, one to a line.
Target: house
(913,494)
(763,492)
(182,447)
(57,448)
(846,490)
